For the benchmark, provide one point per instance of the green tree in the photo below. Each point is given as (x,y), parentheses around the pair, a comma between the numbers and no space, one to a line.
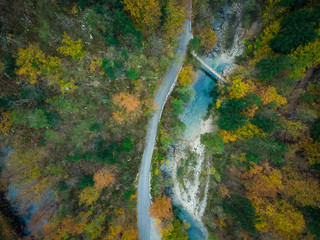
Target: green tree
(270,67)
(312,216)
(298,28)
(177,107)
(266,147)
(266,124)
(132,74)
(315,130)
(241,211)
(230,116)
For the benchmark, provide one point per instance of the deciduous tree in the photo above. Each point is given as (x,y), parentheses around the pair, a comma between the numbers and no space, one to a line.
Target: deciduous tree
(161,208)
(103,178)
(144,13)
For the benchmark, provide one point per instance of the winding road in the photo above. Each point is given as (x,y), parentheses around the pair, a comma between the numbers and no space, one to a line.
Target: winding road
(146,226)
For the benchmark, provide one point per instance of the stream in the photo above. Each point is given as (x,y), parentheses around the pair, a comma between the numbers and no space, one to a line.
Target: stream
(190,188)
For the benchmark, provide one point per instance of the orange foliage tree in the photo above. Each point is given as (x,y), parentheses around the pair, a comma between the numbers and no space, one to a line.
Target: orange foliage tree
(262,181)
(103,178)
(121,228)
(62,229)
(129,107)
(161,208)
(269,94)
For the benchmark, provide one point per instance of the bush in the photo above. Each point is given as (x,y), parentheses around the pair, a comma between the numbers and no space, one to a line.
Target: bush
(252,99)
(111,68)
(213,142)
(194,45)
(33,94)
(177,107)
(132,74)
(241,211)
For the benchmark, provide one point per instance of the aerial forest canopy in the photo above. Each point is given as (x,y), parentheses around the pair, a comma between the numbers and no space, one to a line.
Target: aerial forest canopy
(77,82)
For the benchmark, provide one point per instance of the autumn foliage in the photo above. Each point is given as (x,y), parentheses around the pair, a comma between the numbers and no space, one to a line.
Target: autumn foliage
(103,178)
(161,208)
(186,75)
(128,107)
(208,39)
(71,48)
(145,14)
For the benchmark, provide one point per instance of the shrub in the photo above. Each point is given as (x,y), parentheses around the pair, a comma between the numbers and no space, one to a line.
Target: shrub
(213,142)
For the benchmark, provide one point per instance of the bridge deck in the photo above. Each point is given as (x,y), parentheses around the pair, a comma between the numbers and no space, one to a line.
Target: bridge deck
(220,78)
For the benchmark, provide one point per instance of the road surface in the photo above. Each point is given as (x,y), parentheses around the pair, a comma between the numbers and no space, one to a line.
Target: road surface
(148,231)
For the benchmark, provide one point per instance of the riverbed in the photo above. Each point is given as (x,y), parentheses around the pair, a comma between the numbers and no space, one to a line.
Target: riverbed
(190,191)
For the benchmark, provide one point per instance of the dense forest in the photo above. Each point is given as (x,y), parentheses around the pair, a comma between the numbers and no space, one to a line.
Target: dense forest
(265,156)
(77,82)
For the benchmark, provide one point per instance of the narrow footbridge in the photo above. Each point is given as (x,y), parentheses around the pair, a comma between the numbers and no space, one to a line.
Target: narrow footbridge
(219,76)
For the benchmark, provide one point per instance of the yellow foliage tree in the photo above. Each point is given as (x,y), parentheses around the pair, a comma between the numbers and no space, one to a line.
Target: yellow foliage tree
(303,189)
(312,151)
(30,62)
(5,123)
(89,195)
(71,48)
(293,129)
(305,57)
(175,13)
(246,132)
(121,228)
(239,88)
(186,75)
(144,13)
(281,219)
(263,48)
(269,94)
(262,181)
(208,39)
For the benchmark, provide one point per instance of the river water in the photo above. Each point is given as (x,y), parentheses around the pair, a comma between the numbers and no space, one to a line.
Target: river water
(192,116)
